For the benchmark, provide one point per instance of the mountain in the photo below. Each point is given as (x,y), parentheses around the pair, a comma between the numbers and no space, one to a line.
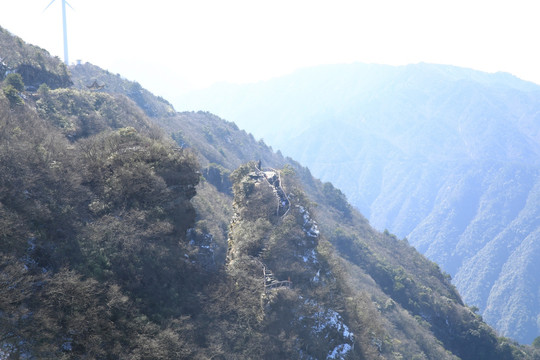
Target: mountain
(130,231)
(34,64)
(445,156)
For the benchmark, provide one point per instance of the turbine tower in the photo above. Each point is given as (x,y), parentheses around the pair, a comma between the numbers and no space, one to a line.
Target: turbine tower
(64,23)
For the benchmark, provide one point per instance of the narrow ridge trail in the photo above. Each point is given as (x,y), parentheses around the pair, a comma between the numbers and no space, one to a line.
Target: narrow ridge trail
(273,178)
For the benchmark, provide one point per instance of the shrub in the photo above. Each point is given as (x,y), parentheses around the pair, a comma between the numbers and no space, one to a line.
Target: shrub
(15,80)
(13,96)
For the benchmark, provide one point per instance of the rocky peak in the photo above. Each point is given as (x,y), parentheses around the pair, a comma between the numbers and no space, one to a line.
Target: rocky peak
(273,243)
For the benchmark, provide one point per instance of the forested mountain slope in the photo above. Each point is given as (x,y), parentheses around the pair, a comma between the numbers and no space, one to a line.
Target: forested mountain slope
(447,157)
(120,242)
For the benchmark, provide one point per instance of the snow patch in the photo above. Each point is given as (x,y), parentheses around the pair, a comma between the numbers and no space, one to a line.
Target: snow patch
(339,351)
(328,325)
(204,243)
(310,226)
(317,276)
(310,256)
(332,319)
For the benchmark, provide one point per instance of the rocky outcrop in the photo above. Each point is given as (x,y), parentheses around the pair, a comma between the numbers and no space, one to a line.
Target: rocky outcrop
(34,76)
(276,256)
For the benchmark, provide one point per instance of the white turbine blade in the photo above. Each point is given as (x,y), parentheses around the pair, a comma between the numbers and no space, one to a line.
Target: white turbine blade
(68,4)
(49,5)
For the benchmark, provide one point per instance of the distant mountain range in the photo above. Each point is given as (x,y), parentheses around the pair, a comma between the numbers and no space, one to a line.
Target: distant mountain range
(131,231)
(445,156)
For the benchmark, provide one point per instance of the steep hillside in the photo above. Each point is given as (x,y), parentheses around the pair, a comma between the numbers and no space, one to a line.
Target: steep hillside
(113,246)
(34,64)
(93,232)
(445,156)
(222,147)
(90,77)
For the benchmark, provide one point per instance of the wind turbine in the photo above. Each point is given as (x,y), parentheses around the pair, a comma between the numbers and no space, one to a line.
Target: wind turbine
(64,2)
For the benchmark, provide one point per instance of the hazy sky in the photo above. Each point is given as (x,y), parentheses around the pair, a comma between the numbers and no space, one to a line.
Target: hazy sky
(170,46)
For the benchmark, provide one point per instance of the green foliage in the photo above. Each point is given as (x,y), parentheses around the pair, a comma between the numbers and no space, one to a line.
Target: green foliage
(91,233)
(44,90)
(155,107)
(457,328)
(214,211)
(140,172)
(15,80)
(13,96)
(337,199)
(288,170)
(81,114)
(33,64)
(249,237)
(218,176)
(63,315)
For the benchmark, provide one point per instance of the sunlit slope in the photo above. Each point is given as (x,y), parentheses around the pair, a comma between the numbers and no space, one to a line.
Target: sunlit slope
(446,156)
(123,240)
(371,268)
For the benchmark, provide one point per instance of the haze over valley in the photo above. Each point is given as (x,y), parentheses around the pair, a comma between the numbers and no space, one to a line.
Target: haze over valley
(269,180)
(447,157)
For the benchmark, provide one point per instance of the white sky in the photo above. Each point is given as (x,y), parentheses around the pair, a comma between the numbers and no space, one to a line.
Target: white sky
(173,46)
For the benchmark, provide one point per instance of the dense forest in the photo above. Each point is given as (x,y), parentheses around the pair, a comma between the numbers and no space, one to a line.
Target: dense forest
(131,231)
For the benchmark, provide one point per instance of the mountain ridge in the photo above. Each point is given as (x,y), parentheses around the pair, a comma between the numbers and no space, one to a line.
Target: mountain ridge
(114,246)
(442,155)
